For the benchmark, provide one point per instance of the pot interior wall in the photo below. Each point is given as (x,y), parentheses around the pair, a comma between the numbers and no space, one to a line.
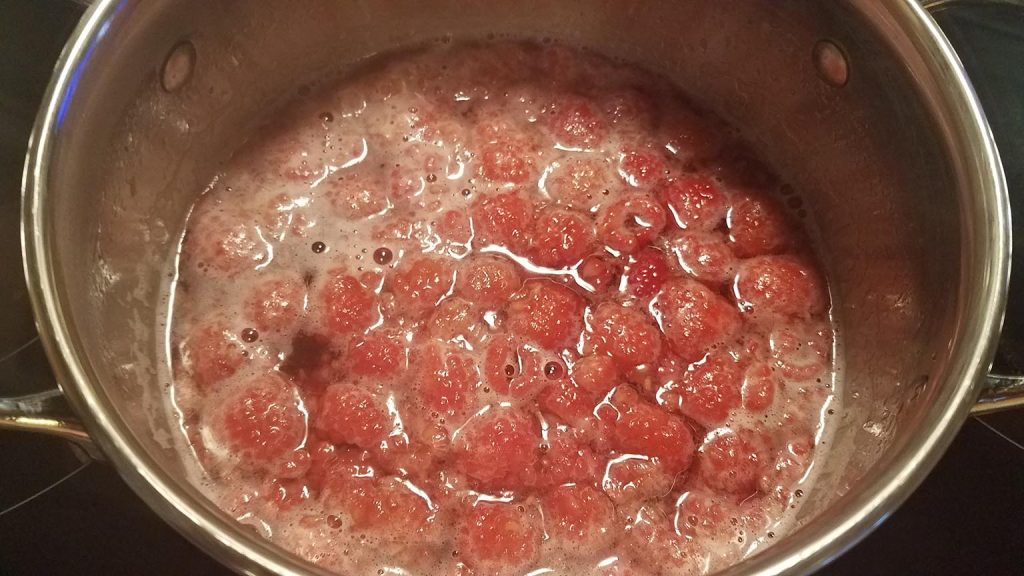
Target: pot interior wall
(868,162)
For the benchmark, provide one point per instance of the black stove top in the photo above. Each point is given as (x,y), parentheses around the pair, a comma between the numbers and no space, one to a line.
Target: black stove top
(63,514)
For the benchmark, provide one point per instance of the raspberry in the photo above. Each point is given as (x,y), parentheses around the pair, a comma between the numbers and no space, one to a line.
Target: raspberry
(641,166)
(489,281)
(351,415)
(758,226)
(776,287)
(598,273)
(646,273)
(516,370)
(561,238)
(495,537)
(706,256)
(567,459)
(579,183)
(695,202)
(506,160)
(222,243)
(632,478)
(547,314)
(446,379)
(695,319)
(499,449)
(759,385)
(354,196)
(710,389)
(630,108)
(373,503)
(503,219)
(566,401)
(575,123)
(211,354)
(630,223)
(702,514)
(261,423)
(801,351)
(455,226)
(640,428)
(626,334)
(596,374)
(376,354)
(420,284)
(454,320)
(347,305)
(733,461)
(578,513)
(276,304)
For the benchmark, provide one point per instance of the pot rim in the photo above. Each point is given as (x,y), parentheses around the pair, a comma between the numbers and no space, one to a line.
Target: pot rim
(802,551)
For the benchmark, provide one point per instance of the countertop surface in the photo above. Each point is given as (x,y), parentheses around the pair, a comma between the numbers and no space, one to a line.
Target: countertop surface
(62,514)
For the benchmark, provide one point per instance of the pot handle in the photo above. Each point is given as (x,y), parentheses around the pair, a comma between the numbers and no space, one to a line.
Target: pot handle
(43,412)
(988,36)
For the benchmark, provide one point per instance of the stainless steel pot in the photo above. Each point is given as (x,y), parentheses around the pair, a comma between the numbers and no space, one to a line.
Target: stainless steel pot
(862,104)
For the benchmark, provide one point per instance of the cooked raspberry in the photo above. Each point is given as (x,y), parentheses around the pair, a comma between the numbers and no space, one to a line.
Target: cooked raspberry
(638,427)
(706,256)
(351,415)
(260,423)
(222,243)
(455,319)
(446,379)
(694,319)
(515,369)
(374,503)
(646,273)
(641,166)
(211,354)
(630,108)
(506,160)
(567,459)
(276,304)
(702,514)
(576,123)
(733,461)
(503,219)
(788,466)
(759,385)
(494,537)
(632,478)
(626,334)
(596,374)
(547,314)
(708,390)
(630,223)
(489,281)
(578,513)
(774,287)
(566,401)
(561,238)
(454,226)
(420,283)
(378,353)
(579,183)
(695,202)
(599,273)
(801,351)
(348,306)
(499,449)
(758,226)
(353,196)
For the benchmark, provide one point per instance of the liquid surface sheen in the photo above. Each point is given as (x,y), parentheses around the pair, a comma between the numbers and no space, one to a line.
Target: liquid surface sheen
(501,309)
